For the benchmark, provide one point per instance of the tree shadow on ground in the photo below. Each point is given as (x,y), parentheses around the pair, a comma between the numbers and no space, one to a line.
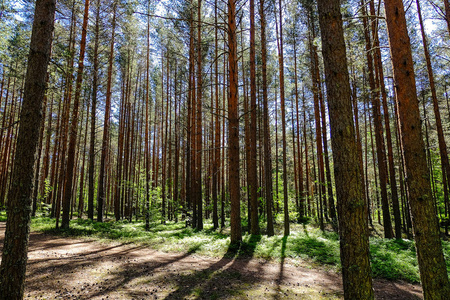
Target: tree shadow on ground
(222,276)
(167,275)
(129,272)
(281,272)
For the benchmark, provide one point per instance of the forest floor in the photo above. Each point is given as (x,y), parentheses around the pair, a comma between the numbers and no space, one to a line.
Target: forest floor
(80,268)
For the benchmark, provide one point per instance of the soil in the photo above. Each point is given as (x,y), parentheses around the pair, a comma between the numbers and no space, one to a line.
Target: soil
(73,268)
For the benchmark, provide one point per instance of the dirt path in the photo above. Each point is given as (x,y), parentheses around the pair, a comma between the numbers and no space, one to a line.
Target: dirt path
(68,268)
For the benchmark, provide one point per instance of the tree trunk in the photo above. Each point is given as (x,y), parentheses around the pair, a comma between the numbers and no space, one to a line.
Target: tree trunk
(233,127)
(74,124)
(81,193)
(354,236)
(106,123)
(199,148)
(14,258)
(442,144)
(299,166)
(315,76)
(93,115)
(283,120)
(147,129)
(253,179)
(432,268)
(216,151)
(379,139)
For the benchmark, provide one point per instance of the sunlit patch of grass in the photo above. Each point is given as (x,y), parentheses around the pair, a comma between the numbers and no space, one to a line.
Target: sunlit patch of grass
(394,259)
(2,215)
(310,244)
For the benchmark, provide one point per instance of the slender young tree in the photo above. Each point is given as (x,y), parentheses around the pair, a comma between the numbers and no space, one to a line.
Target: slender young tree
(353,228)
(233,127)
(147,129)
(106,124)
(441,140)
(74,124)
(433,273)
(14,256)
(267,146)
(283,119)
(198,157)
(216,151)
(91,175)
(253,178)
(379,139)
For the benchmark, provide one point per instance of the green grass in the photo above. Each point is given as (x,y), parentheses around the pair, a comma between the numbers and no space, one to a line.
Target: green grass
(394,259)
(307,245)
(2,216)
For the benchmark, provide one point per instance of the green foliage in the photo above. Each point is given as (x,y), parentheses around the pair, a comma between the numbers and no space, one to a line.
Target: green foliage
(394,259)
(2,215)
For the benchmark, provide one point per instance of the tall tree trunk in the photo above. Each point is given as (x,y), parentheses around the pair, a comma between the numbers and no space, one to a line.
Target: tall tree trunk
(379,139)
(233,127)
(253,179)
(81,193)
(14,256)
(380,83)
(74,124)
(216,151)
(433,273)
(198,159)
(299,166)
(147,129)
(283,120)
(106,124)
(224,152)
(60,179)
(93,115)
(353,229)
(315,76)
(46,160)
(442,144)
(360,152)
(38,166)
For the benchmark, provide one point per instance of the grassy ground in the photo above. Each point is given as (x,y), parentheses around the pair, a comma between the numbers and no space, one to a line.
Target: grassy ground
(307,245)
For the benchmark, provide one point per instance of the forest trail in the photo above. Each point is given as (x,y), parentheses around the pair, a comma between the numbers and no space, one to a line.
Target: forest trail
(73,268)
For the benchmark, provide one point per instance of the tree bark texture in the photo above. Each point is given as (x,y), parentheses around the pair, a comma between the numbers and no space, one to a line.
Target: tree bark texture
(353,228)
(432,268)
(233,127)
(14,258)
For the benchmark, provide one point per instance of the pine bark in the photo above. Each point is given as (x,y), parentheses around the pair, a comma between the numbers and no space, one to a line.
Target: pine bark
(14,257)
(380,83)
(441,140)
(283,121)
(74,124)
(91,175)
(106,124)
(432,268)
(216,151)
(354,238)
(379,139)
(253,178)
(147,130)
(198,129)
(233,127)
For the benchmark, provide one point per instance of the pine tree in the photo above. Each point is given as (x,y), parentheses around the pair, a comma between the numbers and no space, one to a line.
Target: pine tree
(14,257)
(353,229)
(433,273)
